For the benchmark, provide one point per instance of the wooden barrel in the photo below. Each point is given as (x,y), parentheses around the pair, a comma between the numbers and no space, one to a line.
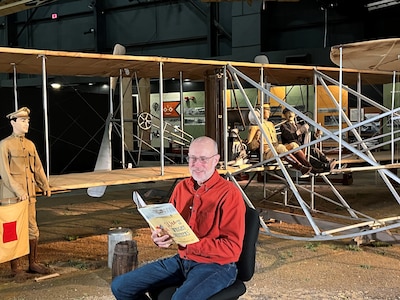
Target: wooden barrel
(116,235)
(125,258)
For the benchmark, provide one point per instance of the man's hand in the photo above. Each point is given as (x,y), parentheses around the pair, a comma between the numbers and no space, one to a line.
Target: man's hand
(47,193)
(161,238)
(318,133)
(303,129)
(23,197)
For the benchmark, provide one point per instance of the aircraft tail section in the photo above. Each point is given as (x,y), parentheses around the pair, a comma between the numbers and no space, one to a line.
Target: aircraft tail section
(104,159)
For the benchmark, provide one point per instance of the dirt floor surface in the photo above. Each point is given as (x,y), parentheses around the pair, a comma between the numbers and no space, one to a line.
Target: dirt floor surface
(74,243)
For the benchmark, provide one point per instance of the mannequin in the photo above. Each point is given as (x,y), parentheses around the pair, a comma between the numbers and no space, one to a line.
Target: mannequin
(293,136)
(21,171)
(254,140)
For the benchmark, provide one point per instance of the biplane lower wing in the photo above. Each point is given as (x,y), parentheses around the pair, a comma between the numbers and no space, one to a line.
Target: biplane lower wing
(117,177)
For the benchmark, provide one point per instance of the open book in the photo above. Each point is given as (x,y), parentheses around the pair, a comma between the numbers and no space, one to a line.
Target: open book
(166,217)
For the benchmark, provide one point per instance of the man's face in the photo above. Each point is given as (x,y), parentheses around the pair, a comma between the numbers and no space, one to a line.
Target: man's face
(266,113)
(20,125)
(290,116)
(202,161)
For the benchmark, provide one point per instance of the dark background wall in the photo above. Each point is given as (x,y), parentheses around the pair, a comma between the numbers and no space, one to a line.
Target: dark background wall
(287,32)
(303,32)
(76,125)
(236,30)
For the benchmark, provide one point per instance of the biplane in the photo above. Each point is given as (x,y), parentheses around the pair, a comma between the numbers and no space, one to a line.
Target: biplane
(222,80)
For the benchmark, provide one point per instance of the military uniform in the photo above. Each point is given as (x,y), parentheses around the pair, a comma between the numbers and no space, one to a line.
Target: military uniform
(269,128)
(21,174)
(21,171)
(293,136)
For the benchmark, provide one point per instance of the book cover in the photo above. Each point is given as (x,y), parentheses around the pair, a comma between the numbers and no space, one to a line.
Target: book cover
(166,217)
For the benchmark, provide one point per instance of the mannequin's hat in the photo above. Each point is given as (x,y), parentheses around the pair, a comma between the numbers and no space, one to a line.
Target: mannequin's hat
(266,106)
(23,112)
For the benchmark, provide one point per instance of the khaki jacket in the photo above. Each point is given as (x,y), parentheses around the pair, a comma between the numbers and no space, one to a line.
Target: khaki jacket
(21,170)
(269,128)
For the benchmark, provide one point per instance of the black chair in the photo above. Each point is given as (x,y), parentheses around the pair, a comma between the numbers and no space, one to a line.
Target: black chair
(245,265)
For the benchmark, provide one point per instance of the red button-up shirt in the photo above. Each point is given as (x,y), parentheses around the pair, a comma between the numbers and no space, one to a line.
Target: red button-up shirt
(216,214)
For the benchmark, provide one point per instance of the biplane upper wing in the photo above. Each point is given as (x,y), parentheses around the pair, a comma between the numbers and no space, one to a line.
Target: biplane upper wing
(107,65)
(377,55)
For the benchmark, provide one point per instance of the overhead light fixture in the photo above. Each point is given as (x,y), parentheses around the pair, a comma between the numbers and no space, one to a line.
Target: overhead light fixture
(381,4)
(55,85)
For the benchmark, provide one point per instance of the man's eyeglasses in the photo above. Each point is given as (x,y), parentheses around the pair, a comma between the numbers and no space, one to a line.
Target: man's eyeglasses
(201,159)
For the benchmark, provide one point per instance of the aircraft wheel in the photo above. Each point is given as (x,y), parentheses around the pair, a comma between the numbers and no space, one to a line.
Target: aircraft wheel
(144,121)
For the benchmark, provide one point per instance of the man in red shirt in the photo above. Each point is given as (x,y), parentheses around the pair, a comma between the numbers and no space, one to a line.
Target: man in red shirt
(214,209)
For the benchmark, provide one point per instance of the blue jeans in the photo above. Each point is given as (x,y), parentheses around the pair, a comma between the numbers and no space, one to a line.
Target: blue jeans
(197,280)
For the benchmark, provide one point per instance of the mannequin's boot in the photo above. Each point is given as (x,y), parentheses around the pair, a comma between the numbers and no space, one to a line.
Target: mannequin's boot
(319,155)
(305,170)
(34,266)
(332,164)
(301,157)
(16,267)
